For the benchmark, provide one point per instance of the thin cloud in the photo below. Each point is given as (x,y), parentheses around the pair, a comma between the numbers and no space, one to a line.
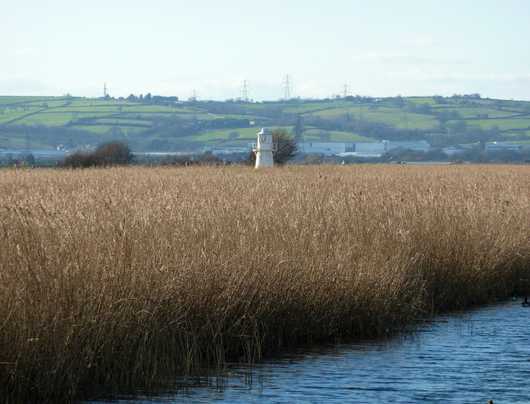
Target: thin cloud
(403,58)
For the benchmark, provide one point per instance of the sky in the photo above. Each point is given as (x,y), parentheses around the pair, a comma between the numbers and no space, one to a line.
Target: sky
(175,47)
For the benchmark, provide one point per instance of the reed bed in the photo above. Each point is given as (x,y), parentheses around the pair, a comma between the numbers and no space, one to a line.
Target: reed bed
(122,278)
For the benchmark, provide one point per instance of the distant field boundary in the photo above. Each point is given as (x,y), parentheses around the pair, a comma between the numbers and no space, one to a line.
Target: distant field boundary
(441,121)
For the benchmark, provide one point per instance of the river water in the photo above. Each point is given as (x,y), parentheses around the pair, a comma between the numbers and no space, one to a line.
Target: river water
(470,357)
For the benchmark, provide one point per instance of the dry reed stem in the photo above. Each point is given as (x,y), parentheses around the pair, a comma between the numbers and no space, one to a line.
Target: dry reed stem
(123,277)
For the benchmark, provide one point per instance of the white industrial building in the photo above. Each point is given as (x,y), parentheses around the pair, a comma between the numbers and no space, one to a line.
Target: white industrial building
(371,148)
(361,149)
(322,148)
(451,151)
(492,147)
(229,150)
(416,145)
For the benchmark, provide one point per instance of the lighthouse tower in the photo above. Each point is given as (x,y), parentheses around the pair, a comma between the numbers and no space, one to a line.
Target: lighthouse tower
(264,148)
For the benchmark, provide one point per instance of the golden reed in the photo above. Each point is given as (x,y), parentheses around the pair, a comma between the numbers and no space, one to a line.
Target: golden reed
(124,277)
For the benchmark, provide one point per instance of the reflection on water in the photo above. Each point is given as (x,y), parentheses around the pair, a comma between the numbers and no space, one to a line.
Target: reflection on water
(464,358)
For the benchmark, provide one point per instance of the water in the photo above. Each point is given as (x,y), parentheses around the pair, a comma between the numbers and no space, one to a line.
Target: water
(460,358)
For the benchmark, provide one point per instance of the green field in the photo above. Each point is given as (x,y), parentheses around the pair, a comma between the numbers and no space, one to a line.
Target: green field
(49,121)
(227,134)
(8,100)
(503,124)
(390,116)
(481,113)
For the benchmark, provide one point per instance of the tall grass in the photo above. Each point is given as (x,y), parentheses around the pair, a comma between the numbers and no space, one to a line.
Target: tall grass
(123,277)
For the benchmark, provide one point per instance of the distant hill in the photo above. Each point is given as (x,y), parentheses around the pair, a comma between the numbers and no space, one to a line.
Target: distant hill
(165,124)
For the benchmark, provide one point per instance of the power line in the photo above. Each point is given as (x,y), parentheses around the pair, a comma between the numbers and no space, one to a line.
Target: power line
(244,91)
(287,88)
(346,90)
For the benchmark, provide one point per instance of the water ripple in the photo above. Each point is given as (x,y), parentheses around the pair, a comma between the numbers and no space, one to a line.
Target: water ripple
(466,358)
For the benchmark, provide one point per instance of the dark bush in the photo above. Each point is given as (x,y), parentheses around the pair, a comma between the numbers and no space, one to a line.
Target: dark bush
(208,159)
(204,159)
(108,154)
(113,153)
(284,146)
(80,160)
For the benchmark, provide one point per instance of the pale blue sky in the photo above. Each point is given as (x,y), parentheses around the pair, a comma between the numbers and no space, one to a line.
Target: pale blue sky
(170,47)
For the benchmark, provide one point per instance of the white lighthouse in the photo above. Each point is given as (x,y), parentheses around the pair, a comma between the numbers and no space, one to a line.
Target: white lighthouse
(264,148)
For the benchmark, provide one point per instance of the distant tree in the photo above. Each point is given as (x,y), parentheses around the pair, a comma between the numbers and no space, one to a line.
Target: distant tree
(424,109)
(113,153)
(208,158)
(251,159)
(411,106)
(284,146)
(29,159)
(115,131)
(324,136)
(445,116)
(312,159)
(234,135)
(457,126)
(107,154)
(399,101)
(299,129)
(79,160)
(181,160)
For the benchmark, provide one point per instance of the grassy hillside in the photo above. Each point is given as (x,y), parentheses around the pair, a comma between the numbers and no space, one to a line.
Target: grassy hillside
(163,125)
